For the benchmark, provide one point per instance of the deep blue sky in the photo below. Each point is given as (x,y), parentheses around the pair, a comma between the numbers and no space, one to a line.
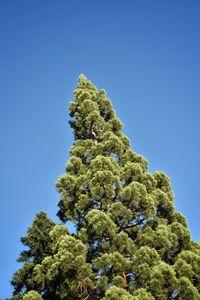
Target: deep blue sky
(146,54)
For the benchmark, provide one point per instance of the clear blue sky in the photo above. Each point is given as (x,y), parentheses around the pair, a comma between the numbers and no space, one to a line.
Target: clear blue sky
(146,54)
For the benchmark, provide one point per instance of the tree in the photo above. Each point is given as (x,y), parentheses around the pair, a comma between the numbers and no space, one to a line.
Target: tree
(130,242)
(38,246)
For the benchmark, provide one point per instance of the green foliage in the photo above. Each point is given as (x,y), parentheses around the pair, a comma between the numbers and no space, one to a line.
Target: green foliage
(38,245)
(114,293)
(130,242)
(67,261)
(32,295)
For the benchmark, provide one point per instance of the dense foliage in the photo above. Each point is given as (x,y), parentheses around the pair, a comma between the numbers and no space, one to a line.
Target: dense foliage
(130,242)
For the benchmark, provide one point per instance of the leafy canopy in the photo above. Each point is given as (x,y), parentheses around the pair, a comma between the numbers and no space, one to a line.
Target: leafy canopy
(130,242)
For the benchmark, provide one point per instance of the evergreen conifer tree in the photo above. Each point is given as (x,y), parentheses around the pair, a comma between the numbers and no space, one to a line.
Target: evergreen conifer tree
(38,246)
(130,242)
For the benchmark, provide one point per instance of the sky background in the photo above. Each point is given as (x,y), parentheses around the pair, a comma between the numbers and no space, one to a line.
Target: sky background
(146,54)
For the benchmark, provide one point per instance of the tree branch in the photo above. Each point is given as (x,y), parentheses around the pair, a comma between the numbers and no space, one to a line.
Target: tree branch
(131,226)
